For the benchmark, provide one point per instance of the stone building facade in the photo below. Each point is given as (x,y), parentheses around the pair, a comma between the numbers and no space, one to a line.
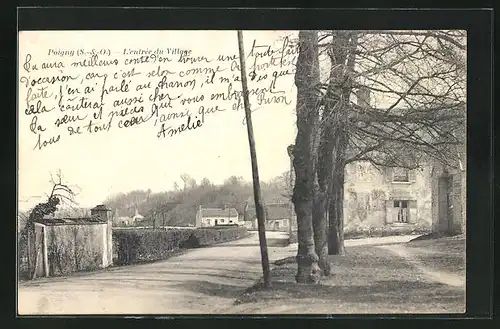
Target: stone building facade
(376,197)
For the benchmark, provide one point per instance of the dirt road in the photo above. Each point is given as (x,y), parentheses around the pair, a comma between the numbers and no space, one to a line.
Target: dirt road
(202,281)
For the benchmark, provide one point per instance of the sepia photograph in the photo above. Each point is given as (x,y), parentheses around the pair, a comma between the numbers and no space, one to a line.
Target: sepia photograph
(241,172)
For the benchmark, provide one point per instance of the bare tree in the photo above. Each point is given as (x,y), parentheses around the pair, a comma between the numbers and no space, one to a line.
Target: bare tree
(189,182)
(205,182)
(61,194)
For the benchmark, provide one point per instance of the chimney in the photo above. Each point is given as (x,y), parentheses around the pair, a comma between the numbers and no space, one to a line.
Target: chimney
(363,97)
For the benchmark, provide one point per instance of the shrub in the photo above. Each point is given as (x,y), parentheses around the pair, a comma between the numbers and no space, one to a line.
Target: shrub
(23,271)
(141,245)
(386,230)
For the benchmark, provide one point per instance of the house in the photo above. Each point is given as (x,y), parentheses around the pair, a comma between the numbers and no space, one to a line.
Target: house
(127,220)
(121,220)
(377,197)
(279,216)
(137,217)
(206,217)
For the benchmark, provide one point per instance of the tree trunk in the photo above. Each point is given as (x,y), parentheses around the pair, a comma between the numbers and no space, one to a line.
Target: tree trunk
(335,221)
(336,201)
(319,218)
(332,105)
(320,212)
(308,270)
(304,159)
(338,99)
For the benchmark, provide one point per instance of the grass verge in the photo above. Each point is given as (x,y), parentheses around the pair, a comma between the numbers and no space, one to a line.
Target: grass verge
(443,254)
(365,280)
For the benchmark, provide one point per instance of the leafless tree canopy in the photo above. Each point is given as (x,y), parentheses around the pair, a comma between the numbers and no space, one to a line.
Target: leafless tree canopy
(416,82)
(61,194)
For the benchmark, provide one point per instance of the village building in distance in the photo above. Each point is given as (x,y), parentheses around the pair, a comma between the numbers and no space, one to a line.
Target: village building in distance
(279,217)
(127,220)
(206,217)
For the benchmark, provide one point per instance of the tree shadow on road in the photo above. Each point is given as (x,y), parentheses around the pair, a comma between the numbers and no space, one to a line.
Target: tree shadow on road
(238,275)
(273,242)
(213,289)
(235,245)
(233,260)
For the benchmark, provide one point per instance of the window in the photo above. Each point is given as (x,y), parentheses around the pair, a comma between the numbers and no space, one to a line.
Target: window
(401,204)
(402,210)
(222,220)
(208,221)
(400,175)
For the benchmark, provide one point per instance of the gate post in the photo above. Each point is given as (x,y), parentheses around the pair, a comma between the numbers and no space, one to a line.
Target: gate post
(105,215)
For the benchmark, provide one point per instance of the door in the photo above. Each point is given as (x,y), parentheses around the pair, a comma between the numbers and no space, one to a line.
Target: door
(445,206)
(215,222)
(276,225)
(403,212)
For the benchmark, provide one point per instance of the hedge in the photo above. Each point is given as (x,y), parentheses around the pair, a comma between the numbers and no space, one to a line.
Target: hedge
(143,245)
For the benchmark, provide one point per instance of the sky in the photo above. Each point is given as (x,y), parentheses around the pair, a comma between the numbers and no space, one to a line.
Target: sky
(120,160)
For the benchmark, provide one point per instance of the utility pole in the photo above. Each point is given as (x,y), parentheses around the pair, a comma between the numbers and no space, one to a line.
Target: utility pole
(255,171)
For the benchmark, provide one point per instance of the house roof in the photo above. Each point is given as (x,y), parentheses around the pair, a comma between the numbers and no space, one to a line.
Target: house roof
(101,207)
(273,211)
(217,212)
(70,221)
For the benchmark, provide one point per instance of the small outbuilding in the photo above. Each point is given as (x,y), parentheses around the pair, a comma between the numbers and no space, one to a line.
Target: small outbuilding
(65,245)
